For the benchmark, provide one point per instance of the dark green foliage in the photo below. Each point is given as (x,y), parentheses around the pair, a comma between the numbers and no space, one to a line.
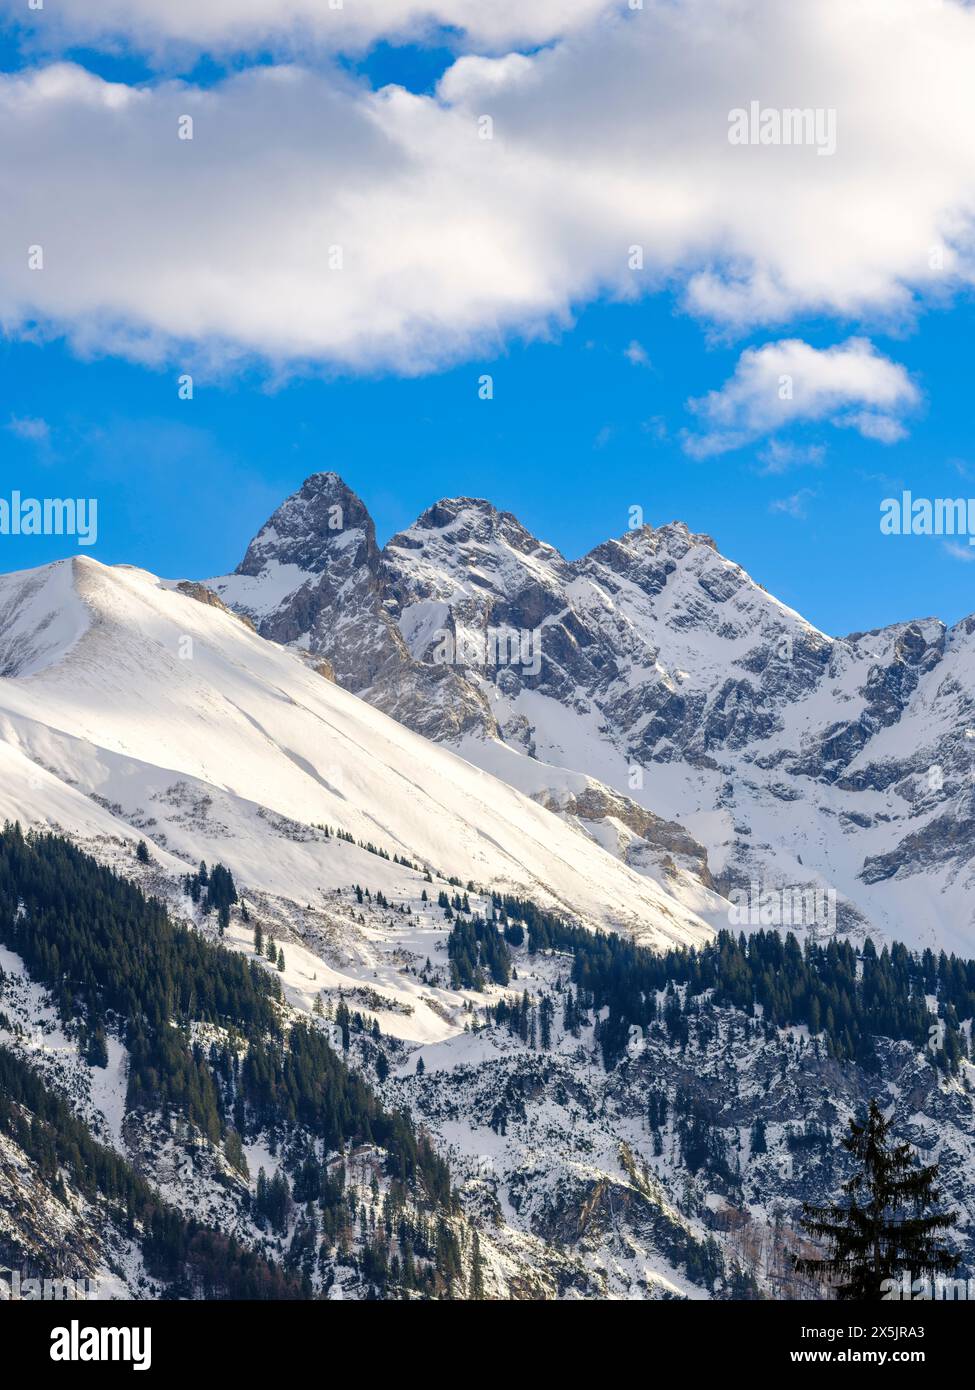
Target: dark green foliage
(110,956)
(477,953)
(514,934)
(520,1017)
(193,1260)
(477,1271)
(702,1146)
(107,954)
(104,950)
(303,1082)
(815,985)
(272,1202)
(234,1150)
(546,1013)
(215,888)
(94,1046)
(886,1225)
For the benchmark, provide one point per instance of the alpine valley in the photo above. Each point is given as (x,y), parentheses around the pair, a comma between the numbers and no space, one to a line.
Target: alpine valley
(371,925)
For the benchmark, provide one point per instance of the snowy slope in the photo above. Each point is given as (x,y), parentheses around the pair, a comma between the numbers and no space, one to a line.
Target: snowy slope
(172,718)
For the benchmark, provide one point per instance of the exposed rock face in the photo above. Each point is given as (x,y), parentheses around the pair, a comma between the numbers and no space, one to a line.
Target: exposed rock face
(659,669)
(651,839)
(202,594)
(319,549)
(314,577)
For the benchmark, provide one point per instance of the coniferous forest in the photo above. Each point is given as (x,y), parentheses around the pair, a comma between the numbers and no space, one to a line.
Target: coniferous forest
(210,1042)
(189,1259)
(114,961)
(849,996)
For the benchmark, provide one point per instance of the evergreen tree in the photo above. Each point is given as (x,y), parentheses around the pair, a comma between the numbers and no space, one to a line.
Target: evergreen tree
(142,852)
(477,1271)
(887,1224)
(234,1150)
(96,1052)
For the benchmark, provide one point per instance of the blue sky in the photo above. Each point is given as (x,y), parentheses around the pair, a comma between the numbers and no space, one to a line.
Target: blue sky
(587,420)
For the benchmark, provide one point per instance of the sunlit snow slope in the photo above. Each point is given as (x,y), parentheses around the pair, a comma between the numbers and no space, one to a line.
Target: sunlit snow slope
(127,706)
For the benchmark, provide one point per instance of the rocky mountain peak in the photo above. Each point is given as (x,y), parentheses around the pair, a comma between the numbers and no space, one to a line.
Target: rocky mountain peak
(659,668)
(468,527)
(309,526)
(450,510)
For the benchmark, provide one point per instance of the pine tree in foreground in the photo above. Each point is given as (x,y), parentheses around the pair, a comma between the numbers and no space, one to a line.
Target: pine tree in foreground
(888,1222)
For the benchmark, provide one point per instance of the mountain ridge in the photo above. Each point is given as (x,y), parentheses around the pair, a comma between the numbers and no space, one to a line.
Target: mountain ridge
(657,668)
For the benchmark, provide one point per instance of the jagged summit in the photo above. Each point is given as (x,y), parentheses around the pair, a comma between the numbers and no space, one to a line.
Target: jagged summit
(657,668)
(469,518)
(675,531)
(449,509)
(313,530)
(325,523)
(305,530)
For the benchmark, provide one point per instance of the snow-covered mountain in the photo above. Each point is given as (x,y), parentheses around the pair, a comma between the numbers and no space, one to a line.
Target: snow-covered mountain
(654,695)
(129,705)
(134,708)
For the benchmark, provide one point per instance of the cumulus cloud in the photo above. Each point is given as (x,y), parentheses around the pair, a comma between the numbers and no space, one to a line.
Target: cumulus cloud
(291,25)
(788,382)
(609,173)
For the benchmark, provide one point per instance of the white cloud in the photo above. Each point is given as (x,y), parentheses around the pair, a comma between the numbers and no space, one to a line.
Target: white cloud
(965,553)
(790,382)
(885,429)
(637,355)
(30,429)
(794,506)
(290,26)
(611,139)
(783,456)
